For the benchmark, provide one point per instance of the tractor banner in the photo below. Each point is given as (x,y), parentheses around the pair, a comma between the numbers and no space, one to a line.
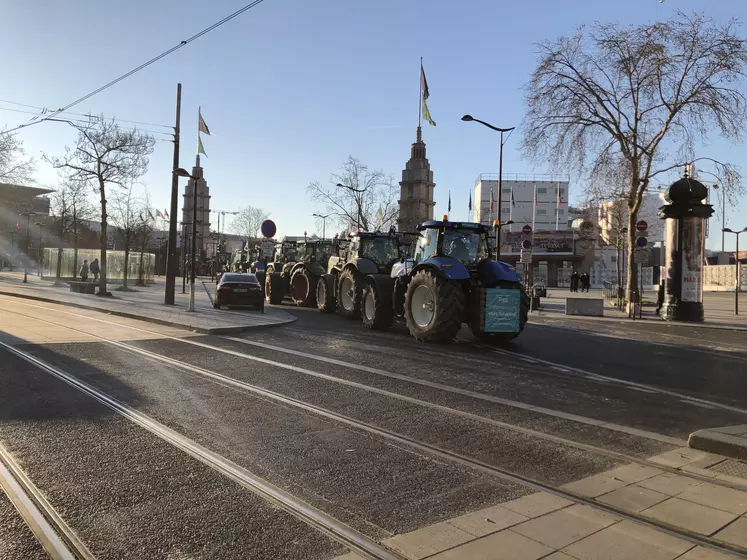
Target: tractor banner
(502,310)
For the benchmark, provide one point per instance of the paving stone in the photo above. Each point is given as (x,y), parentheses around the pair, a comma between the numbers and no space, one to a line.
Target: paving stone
(719,497)
(594,486)
(625,541)
(689,515)
(633,498)
(669,484)
(505,545)
(566,526)
(678,457)
(537,504)
(429,540)
(633,473)
(736,533)
(700,553)
(558,556)
(487,521)
(349,556)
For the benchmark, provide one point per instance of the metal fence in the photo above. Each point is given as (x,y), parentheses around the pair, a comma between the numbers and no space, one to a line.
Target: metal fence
(114,264)
(614,294)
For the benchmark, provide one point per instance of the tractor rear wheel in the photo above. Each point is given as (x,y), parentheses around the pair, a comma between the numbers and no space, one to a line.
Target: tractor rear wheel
(433,307)
(350,293)
(376,307)
(303,288)
(503,337)
(325,294)
(275,288)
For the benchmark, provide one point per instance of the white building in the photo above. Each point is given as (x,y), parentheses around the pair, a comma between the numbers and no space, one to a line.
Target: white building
(541,200)
(613,216)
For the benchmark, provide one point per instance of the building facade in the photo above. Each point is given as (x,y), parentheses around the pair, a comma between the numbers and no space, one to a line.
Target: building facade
(416,189)
(613,216)
(541,200)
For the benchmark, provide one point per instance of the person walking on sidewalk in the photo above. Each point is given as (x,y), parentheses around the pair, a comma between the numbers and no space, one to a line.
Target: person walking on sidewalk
(83,272)
(574,281)
(95,269)
(585,281)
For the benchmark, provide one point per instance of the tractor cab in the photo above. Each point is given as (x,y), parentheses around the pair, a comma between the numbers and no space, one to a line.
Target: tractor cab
(380,248)
(316,250)
(465,242)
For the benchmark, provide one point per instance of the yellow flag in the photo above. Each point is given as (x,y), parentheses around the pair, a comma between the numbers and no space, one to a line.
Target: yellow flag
(200,148)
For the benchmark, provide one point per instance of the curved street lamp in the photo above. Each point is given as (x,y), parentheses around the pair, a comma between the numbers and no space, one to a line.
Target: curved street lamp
(357,201)
(323,217)
(470,118)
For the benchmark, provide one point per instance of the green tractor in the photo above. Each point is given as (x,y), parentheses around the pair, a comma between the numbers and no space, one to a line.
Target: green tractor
(278,272)
(314,255)
(450,281)
(364,253)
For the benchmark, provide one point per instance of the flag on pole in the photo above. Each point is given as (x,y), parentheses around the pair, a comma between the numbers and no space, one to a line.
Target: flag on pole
(203,126)
(470,202)
(449,208)
(491,203)
(200,148)
(513,202)
(426,94)
(166,213)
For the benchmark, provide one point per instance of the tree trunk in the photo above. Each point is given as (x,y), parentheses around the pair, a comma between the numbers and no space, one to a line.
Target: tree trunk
(126,266)
(632,276)
(104,242)
(140,269)
(618,268)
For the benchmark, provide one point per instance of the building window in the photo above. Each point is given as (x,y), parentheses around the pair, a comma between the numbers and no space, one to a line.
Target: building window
(541,211)
(613,259)
(506,191)
(561,191)
(541,190)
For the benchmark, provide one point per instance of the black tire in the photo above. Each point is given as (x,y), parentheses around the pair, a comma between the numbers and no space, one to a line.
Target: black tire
(448,306)
(216,305)
(275,288)
(325,294)
(303,288)
(353,282)
(500,338)
(376,306)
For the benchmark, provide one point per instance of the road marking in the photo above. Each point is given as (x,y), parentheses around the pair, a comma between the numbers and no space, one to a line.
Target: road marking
(414,380)
(312,516)
(374,550)
(61,543)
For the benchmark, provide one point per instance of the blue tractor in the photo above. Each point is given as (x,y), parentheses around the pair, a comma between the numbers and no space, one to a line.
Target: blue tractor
(451,280)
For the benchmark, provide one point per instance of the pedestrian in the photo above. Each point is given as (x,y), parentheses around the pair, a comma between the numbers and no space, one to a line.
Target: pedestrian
(585,282)
(574,281)
(94,268)
(83,273)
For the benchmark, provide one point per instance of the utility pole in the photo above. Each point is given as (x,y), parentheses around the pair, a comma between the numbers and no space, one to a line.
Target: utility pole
(171,263)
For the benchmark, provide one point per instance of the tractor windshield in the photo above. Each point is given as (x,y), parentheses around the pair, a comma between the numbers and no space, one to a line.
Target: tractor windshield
(381,250)
(289,251)
(468,247)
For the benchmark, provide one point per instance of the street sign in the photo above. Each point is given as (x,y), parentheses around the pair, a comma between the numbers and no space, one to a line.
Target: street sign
(526,230)
(642,225)
(268,228)
(641,255)
(526,257)
(268,247)
(641,242)
(526,244)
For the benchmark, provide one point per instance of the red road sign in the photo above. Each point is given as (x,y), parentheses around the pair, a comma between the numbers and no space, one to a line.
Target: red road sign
(642,225)
(526,230)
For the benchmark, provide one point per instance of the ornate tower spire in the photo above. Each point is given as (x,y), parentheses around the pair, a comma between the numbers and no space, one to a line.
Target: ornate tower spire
(416,188)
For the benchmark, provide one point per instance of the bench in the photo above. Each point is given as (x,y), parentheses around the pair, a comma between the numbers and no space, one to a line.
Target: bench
(82,287)
(590,307)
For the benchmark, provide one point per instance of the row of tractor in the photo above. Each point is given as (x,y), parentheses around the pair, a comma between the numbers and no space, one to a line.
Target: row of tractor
(433,281)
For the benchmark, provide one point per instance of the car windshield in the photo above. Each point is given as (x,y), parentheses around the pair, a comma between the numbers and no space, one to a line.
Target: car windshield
(381,250)
(245,278)
(468,247)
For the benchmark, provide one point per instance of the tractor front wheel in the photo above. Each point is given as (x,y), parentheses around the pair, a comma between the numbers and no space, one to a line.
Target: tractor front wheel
(275,288)
(433,307)
(303,288)
(376,308)
(350,293)
(325,294)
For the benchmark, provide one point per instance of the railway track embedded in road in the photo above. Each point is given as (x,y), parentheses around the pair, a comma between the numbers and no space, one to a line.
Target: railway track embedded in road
(403,440)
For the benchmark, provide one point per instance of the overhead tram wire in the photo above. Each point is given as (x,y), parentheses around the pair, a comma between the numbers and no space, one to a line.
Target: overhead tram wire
(141,67)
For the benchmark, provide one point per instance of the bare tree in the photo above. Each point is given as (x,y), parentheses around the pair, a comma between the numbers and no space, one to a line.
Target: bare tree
(247,222)
(70,208)
(127,217)
(105,155)
(613,101)
(144,234)
(15,167)
(358,196)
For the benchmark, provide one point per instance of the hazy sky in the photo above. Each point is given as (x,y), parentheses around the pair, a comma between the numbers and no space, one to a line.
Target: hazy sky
(291,88)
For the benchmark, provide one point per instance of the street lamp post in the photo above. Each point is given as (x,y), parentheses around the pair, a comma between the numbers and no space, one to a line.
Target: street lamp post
(723,217)
(158,255)
(181,172)
(324,223)
(357,201)
(39,252)
(26,261)
(736,263)
(469,118)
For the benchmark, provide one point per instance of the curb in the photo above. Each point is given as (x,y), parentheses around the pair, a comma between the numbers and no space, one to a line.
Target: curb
(200,330)
(722,441)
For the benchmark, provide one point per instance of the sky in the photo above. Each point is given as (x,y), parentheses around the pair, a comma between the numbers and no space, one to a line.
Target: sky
(291,88)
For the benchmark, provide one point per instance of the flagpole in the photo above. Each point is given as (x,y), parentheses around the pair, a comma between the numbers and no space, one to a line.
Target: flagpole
(511,209)
(557,205)
(534,208)
(420,94)
(199,112)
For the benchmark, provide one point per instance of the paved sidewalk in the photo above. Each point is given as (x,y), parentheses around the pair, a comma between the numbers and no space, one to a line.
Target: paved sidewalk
(730,441)
(551,527)
(147,304)
(719,309)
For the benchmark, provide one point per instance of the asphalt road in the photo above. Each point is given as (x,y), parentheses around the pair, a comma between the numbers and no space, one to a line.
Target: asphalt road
(311,407)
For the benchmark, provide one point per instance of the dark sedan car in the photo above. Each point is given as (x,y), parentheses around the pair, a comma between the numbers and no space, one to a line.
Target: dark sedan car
(239,290)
